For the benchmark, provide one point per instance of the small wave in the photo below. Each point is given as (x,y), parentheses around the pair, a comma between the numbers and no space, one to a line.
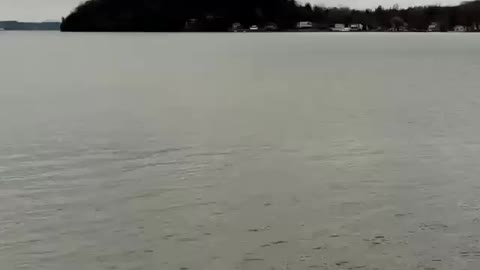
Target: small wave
(356,153)
(130,168)
(206,154)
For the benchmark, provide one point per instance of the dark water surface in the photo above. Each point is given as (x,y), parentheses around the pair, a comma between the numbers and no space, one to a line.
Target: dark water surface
(239,151)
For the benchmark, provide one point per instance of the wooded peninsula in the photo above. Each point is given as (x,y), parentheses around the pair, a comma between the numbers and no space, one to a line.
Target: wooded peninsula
(263,15)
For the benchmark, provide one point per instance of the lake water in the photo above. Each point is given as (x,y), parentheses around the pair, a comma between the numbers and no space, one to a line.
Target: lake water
(239,151)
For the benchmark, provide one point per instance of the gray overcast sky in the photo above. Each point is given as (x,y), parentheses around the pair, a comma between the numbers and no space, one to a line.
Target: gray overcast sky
(40,10)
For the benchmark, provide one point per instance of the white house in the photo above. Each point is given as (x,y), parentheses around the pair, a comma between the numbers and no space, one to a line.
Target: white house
(340,27)
(356,27)
(304,25)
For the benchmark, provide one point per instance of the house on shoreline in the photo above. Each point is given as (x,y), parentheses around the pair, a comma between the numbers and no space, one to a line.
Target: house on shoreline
(339,27)
(305,25)
(459,28)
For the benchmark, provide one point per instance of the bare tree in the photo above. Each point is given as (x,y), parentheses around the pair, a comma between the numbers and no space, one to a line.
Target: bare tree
(397,23)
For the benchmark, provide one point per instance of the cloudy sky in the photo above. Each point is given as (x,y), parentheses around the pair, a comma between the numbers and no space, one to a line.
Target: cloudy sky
(40,10)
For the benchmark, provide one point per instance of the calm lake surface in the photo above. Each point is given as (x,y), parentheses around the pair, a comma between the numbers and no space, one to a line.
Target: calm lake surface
(239,151)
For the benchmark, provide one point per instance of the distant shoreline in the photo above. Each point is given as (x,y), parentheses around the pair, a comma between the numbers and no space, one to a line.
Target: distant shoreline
(271,15)
(263,32)
(29,26)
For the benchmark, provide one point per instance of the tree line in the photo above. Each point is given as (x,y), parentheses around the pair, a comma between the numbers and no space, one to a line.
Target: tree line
(219,15)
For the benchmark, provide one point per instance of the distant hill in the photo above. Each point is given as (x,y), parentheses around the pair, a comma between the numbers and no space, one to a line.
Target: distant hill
(175,15)
(30,26)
